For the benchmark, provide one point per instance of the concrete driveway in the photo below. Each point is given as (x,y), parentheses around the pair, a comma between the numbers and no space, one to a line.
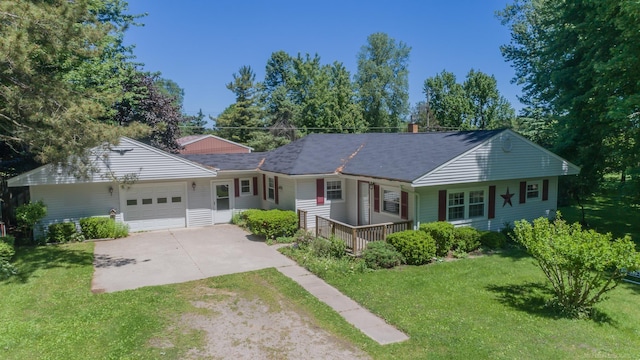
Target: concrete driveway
(179,255)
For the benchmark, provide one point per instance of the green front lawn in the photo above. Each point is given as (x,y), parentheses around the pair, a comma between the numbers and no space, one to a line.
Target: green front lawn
(490,307)
(487,307)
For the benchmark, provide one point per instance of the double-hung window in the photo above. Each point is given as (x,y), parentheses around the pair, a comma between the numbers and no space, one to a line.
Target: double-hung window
(533,191)
(456,206)
(465,204)
(334,190)
(245,187)
(271,189)
(391,201)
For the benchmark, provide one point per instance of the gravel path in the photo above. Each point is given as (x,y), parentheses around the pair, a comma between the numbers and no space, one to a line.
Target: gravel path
(238,328)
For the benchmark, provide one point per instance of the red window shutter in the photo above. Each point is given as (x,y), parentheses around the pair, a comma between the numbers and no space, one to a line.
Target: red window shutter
(523,192)
(404,205)
(492,202)
(376,198)
(236,187)
(442,205)
(264,187)
(255,185)
(545,190)
(319,191)
(275,185)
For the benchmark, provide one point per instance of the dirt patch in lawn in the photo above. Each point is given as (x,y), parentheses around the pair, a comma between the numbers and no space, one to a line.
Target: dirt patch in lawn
(241,328)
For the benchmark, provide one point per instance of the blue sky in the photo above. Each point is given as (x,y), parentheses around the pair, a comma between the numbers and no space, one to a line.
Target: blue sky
(200,44)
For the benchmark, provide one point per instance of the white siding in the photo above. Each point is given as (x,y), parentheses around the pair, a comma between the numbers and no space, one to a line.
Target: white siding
(306,200)
(72,202)
(530,210)
(490,162)
(199,203)
(286,194)
(128,158)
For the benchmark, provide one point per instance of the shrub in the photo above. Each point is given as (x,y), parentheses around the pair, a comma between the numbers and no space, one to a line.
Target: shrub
(121,230)
(493,239)
(103,228)
(272,223)
(27,216)
(6,269)
(61,232)
(6,251)
(380,254)
(417,247)
(466,239)
(303,237)
(581,265)
(442,233)
(338,248)
(9,239)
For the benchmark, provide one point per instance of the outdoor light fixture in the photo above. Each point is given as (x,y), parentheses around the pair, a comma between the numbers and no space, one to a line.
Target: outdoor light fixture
(193,186)
(111,190)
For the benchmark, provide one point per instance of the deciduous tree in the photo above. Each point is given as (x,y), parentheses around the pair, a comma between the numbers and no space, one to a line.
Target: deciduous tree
(579,60)
(382,82)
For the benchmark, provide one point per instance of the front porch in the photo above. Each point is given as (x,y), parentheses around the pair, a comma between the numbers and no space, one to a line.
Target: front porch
(356,237)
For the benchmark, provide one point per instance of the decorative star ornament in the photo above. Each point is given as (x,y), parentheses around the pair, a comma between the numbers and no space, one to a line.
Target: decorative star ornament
(507,198)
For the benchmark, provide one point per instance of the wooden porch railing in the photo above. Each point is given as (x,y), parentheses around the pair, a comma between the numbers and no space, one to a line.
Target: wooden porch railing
(357,237)
(302,219)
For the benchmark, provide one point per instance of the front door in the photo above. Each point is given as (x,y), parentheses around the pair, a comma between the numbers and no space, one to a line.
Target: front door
(364,207)
(222,202)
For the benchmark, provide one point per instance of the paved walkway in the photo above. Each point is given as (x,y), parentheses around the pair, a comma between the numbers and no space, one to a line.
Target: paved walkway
(356,315)
(180,255)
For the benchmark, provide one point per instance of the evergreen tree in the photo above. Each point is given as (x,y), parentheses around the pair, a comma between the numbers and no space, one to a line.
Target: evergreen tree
(244,117)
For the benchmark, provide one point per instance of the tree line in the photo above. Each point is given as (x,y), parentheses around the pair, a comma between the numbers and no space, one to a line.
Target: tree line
(300,94)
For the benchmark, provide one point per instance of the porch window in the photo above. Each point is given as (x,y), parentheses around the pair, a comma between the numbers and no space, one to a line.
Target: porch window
(245,187)
(334,190)
(271,189)
(391,201)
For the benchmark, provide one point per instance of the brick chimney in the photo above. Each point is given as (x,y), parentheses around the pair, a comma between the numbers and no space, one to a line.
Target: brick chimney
(413,128)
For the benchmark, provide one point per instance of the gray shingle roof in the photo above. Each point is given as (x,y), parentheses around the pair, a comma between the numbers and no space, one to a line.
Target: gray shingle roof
(398,156)
(237,161)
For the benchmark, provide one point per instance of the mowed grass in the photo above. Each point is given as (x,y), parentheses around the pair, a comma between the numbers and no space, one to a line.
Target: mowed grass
(49,312)
(490,307)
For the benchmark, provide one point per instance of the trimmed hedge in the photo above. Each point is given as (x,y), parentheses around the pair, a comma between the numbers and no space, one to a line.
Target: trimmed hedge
(417,247)
(466,239)
(271,223)
(61,232)
(443,234)
(380,254)
(103,228)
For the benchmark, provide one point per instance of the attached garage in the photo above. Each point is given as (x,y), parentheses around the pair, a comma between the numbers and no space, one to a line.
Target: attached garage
(144,187)
(154,206)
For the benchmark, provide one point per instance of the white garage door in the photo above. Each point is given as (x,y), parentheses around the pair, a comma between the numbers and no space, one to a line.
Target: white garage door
(154,206)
